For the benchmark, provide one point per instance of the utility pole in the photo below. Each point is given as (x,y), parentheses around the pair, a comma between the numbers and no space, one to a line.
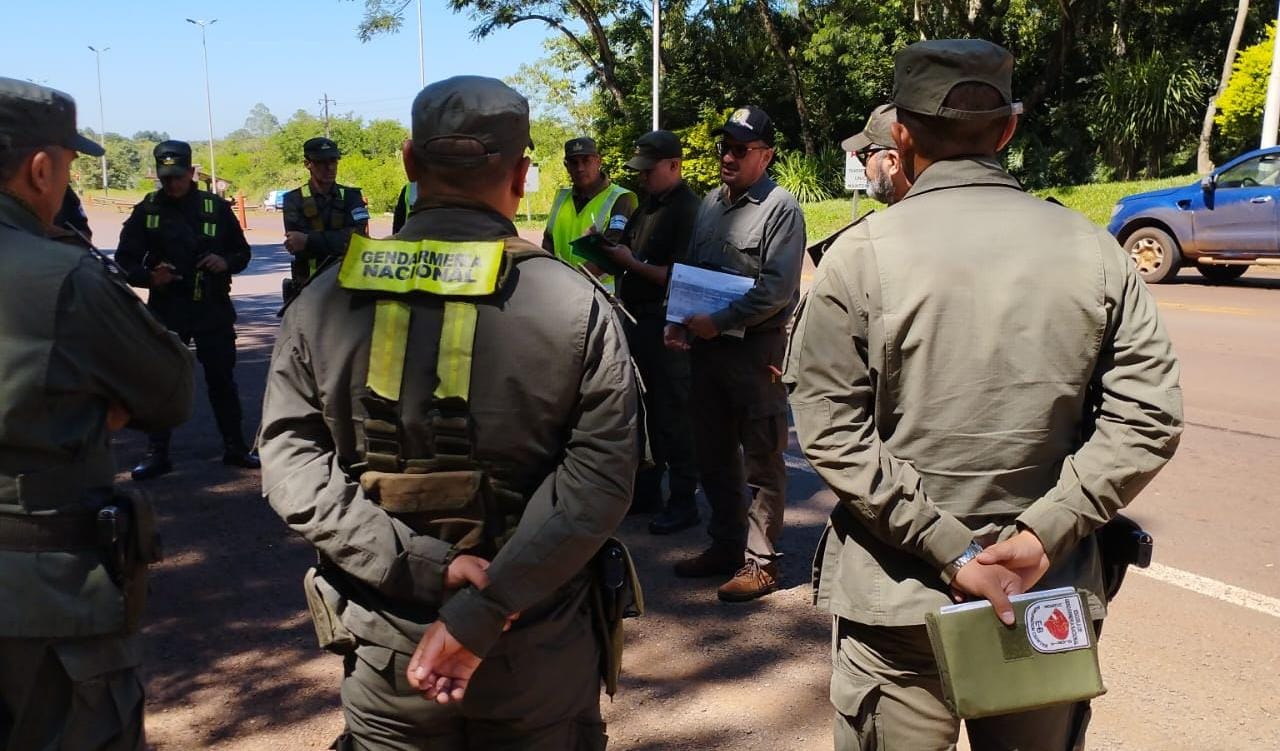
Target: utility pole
(208,102)
(657,66)
(102,119)
(326,101)
(1271,115)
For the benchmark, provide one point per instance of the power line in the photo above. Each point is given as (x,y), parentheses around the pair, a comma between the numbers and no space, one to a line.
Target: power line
(326,101)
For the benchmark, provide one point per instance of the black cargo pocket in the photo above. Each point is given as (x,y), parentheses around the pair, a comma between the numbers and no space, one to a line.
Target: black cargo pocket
(856,702)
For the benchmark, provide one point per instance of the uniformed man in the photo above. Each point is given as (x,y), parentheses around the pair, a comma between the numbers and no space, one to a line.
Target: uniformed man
(752,227)
(976,417)
(591,201)
(404,206)
(183,244)
(886,180)
(71,224)
(320,216)
(457,445)
(81,358)
(658,235)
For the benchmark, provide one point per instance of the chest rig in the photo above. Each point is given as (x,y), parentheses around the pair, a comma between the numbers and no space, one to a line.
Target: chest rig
(446,492)
(207,238)
(332,219)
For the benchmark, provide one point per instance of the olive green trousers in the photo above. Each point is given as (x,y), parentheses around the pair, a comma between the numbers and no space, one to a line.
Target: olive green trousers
(81,694)
(888,697)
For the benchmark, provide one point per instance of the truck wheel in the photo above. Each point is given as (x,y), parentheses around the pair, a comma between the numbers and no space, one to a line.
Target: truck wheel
(1218,274)
(1154,254)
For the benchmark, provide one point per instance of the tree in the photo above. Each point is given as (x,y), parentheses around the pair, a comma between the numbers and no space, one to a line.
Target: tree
(261,123)
(1204,164)
(1241,103)
(1144,104)
(154,136)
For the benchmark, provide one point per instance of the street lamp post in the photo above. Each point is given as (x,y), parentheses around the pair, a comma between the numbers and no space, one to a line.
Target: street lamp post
(657,47)
(102,119)
(422,65)
(208,102)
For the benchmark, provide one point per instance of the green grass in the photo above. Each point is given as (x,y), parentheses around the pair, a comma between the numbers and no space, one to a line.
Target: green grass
(1097,199)
(1094,200)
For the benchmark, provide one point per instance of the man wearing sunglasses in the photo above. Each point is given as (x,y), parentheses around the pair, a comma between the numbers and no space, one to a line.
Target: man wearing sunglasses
(886,180)
(593,200)
(752,227)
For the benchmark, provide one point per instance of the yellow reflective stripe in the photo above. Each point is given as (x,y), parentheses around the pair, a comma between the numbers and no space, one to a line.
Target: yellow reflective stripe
(153,221)
(386,350)
(210,229)
(437,267)
(312,265)
(197,293)
(457,340)
(306,190)
(208,206)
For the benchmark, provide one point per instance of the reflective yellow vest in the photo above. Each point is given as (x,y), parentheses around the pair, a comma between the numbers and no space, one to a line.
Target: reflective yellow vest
(568,224)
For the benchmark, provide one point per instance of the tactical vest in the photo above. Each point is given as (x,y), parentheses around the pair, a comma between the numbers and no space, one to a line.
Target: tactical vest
(335,219)
(448,494)
(410,197)
(568,224)
(208,230)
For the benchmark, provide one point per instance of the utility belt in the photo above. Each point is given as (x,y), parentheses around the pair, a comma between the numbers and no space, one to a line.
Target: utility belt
(122,532)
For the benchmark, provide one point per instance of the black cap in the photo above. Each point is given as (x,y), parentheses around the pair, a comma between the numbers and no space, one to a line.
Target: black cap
(653,147)
(748,124)
(32,115)
(173,158)
(320,149)
(468,119)
(580,147)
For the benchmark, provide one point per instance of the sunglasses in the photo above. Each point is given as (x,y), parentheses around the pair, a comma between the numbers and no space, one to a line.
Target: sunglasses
(738,150)
(869,152)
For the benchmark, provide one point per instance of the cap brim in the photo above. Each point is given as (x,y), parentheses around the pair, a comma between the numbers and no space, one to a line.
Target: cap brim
(323,156)
(855,143)
(84,146)
(739,133)
(172,170)
(642,162)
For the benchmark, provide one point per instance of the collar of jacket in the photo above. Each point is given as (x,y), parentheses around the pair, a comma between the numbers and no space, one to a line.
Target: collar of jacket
(193,194)
(962,172)
(457,220)
(332,192)
(16,214)
(755,194)
(664,198)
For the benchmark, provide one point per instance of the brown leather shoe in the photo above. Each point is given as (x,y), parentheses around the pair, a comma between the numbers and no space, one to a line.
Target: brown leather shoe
(751,581)
(716,560)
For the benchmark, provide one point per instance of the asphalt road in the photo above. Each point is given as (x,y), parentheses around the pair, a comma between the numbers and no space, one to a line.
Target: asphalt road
(1190,654)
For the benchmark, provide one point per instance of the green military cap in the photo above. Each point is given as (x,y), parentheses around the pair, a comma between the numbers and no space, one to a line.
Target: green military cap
(653,147)
(173,158)
(469,119)
(320,149)
(926,72)
(580,147)
(32,116)
(877,133)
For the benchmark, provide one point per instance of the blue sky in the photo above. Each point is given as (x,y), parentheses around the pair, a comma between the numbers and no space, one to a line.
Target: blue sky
(283,53)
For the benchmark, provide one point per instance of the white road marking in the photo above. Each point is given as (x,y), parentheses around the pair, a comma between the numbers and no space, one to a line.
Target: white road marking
(1201,585)
(1212,588)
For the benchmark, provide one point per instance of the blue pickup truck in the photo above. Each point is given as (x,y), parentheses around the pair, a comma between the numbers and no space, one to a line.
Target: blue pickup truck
(1224,224)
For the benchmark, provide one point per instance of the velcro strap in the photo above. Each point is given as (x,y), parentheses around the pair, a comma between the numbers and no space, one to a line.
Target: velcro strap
(55,532)
(400,493)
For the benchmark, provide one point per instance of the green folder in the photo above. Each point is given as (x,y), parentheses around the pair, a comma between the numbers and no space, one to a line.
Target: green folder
(588,248)
(1050,655)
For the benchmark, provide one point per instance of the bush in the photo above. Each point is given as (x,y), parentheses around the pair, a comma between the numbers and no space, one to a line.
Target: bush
(1240,107)
(811,178)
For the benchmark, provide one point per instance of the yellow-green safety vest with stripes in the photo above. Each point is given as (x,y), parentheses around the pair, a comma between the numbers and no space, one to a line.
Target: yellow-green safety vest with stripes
(568,224)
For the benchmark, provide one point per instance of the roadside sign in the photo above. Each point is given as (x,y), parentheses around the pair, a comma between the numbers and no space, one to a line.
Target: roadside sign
(855,174)
(531,180)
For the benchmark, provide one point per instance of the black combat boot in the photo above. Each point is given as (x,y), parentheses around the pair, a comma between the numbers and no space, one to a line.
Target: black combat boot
(677,516)
(156,462)
(236,454)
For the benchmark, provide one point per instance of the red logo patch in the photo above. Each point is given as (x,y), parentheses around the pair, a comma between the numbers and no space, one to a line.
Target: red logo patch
(1058,625)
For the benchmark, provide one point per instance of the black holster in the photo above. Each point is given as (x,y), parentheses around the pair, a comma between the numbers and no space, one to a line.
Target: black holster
(1121,544)
(128,542)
